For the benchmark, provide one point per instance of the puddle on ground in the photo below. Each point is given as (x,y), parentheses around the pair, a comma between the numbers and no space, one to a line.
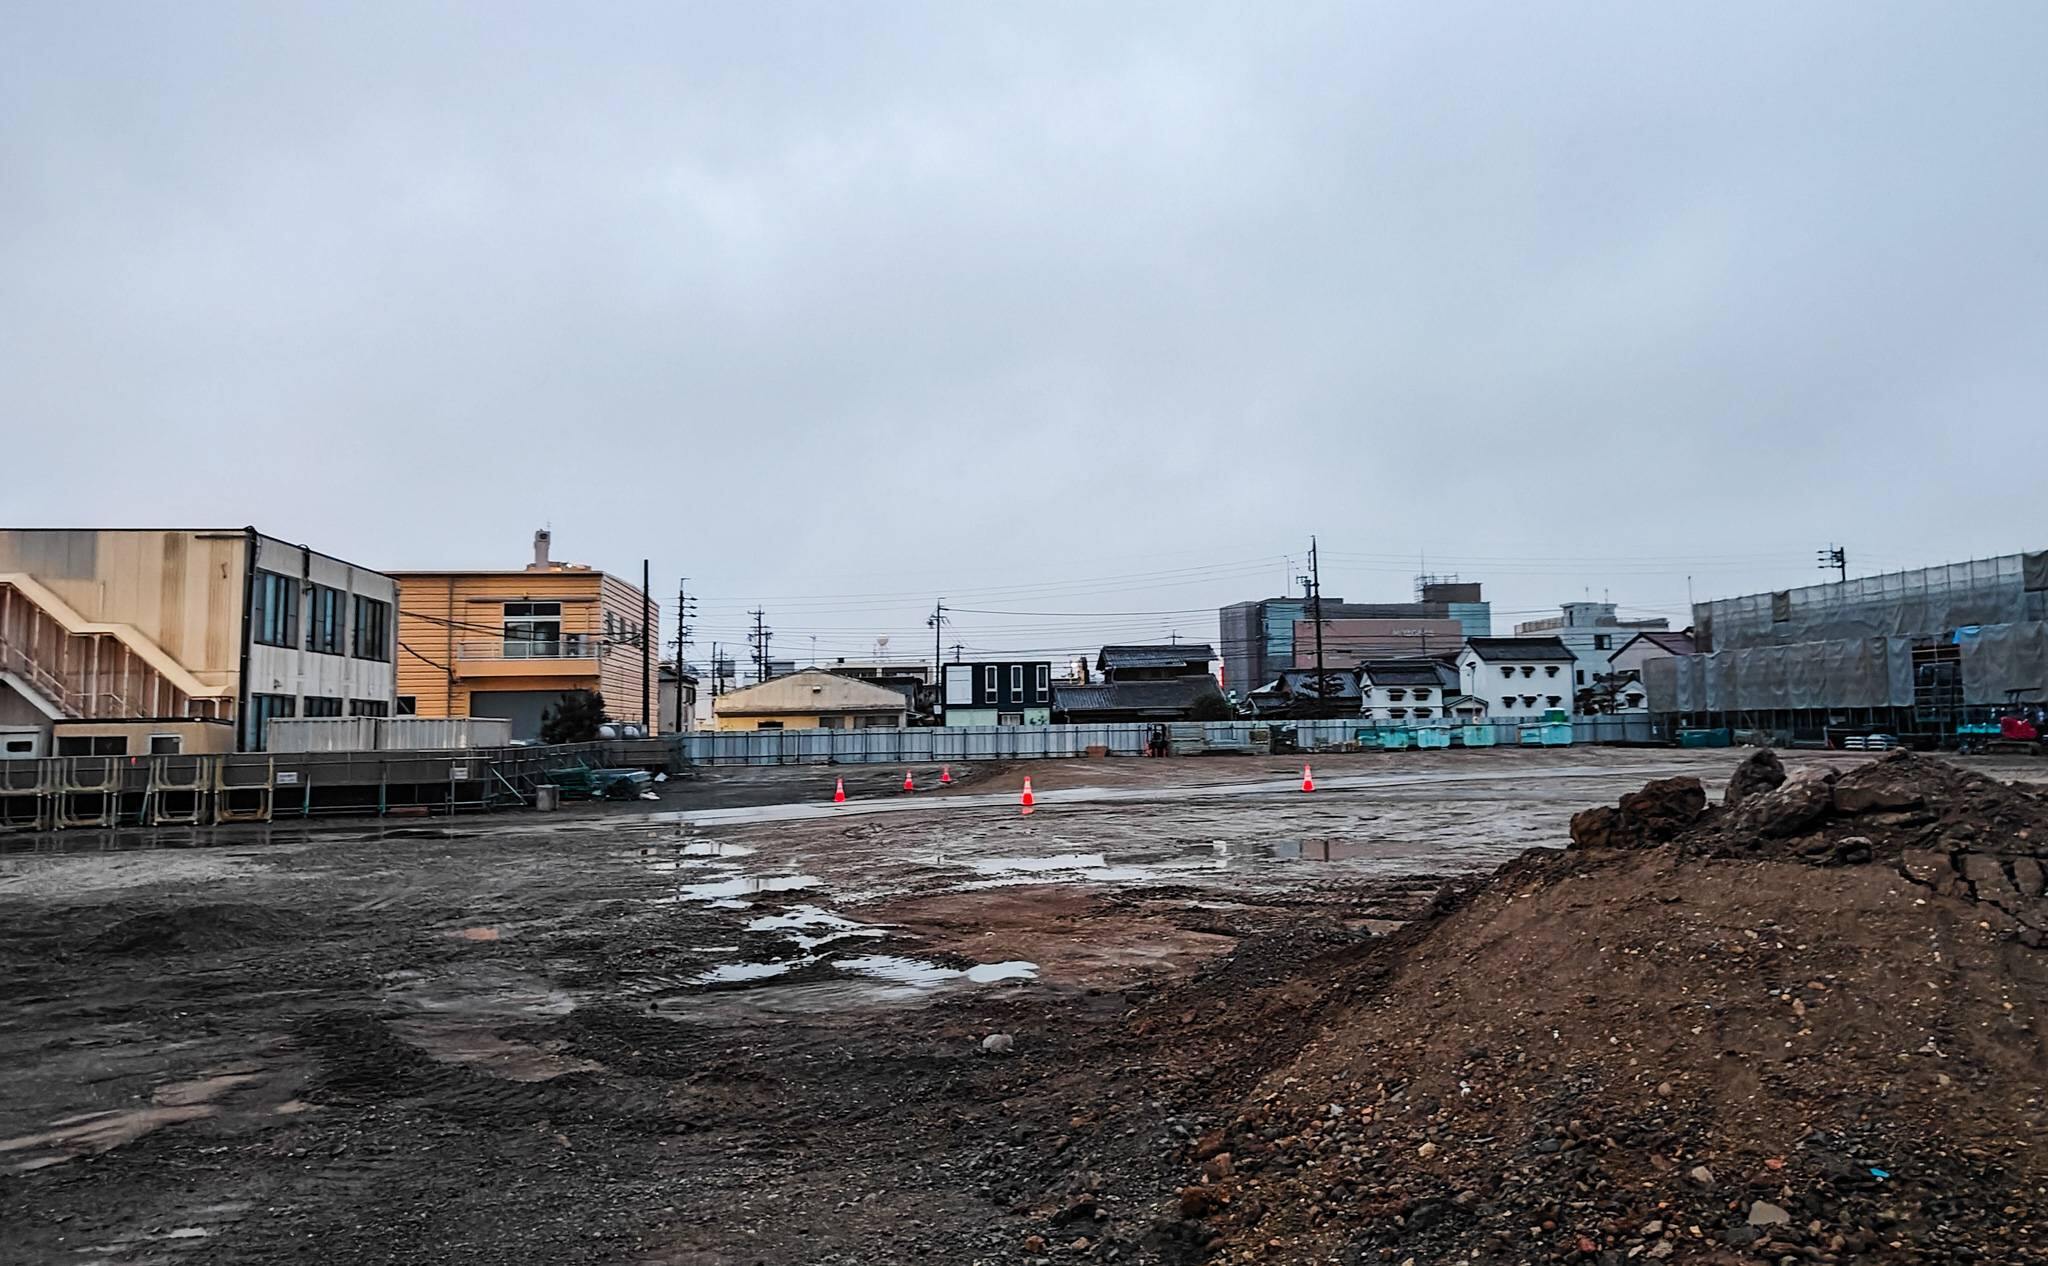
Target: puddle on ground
(915,971)
(91,1132)
(1039,865)
(745,886)
(1015,870)
(735,973)
(477,990)
(693,855)
(832,927)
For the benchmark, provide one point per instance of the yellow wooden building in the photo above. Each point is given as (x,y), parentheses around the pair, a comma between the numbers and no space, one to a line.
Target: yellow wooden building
(511,643)
(810,700)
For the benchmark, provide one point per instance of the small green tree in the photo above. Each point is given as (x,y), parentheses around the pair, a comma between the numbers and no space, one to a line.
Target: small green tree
(1210,707)
(575,719)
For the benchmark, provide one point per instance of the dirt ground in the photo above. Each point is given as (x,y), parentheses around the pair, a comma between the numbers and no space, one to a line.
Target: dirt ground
(738,1026)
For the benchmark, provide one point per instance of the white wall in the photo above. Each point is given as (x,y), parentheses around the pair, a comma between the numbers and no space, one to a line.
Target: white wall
(1483,678)
(1379,703)
(295,671)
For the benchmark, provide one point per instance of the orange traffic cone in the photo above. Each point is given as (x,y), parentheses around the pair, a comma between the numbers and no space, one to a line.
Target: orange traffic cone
(907,784)
(839,791)
(945,775)
(1308,782)
(1026,799)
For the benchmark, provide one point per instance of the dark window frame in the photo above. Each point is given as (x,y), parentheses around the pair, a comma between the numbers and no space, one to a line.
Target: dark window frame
(325,632)
(368,708)
(263,709)
(268,625)
(371,638)
(323,706)
(406,706)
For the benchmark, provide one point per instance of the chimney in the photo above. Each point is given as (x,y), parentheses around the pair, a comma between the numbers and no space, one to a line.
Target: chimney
(540,550)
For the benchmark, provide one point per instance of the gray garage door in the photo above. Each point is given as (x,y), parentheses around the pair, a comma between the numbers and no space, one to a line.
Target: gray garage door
(522,708)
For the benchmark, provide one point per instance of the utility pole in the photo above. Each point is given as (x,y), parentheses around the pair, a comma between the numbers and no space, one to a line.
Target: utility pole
(937,619)
(646,647)
(1836,557)
(682,640)
(957,648)
(1316,601)
(759,639)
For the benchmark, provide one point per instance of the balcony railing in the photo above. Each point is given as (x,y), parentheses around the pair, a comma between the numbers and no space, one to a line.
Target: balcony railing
(572,647)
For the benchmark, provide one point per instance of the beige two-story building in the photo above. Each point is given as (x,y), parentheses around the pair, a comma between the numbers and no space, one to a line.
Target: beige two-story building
(131,641)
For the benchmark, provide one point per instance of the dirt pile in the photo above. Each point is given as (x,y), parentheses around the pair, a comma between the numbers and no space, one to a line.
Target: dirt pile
(1661,811)
(1762,771)
(1705,1051)
(198,929)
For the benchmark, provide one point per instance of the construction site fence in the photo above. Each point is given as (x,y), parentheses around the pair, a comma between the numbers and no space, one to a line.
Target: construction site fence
(109,791)
(939,744)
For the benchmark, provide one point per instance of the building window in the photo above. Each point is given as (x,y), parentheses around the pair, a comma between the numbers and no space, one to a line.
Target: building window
(1397,694)
(1603,641)
(21,747)
(368,708)
(1044,682)
(1017,682)
(1507,701)
(533,630)
(1397,713)
(1507,671)
(1550,670)
(1422,712)
(262,710)
(767,725)
(274,617)
(373,630)
(1581,677)
(1633,701)
(828,723)
(988,685)
(165,745)
(322,706)
(323,621)
(1009,718)
(92,745)
(1553,700)
(1422,693)
(1528,701)
(408,705)
(886,720)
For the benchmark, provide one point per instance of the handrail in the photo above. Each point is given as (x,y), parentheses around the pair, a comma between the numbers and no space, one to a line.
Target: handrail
(571,646)
(65,617)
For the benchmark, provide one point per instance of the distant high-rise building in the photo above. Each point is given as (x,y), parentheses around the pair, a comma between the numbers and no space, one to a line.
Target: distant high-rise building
(1261,638)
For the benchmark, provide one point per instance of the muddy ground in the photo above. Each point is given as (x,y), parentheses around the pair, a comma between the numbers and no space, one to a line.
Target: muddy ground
(713,1030)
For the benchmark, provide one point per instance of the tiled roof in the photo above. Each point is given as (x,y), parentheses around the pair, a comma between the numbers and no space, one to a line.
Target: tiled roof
(1133,696)
(1401,672)
(1674,643)
(1155,656)
(1521,649)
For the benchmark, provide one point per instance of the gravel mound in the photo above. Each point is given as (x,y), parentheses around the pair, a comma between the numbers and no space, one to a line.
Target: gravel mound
(198,929)
(1741,1043)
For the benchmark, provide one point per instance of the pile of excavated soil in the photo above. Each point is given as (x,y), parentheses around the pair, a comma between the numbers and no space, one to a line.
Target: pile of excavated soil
(1709,1050)
(198,929)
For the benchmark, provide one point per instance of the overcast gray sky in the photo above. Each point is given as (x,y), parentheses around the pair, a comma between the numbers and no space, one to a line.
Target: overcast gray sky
(1051,308)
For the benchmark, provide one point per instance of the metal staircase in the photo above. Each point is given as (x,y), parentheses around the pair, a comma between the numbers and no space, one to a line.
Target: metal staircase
(83,669)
